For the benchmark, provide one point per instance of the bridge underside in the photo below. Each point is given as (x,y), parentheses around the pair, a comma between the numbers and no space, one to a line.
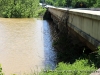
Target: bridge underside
(65,27)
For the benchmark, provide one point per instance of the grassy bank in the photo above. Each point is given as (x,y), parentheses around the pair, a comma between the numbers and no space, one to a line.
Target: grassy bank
(79,67)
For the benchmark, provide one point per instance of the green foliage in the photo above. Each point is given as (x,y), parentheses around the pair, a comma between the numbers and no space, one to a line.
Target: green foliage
(19,8)
(60,3)
(97,4)
(98,57)
(41,1)
(79,67)
(71,3)
(51,2)
(56,2)
(75,1)
(91,3)
(1,70)
(95,57)
(40,12)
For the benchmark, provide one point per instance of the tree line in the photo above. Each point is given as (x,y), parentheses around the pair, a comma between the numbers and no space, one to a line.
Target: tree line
(20,8)
(73,3)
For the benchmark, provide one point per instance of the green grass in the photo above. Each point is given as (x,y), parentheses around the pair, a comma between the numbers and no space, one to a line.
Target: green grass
(1,70)
(79,67)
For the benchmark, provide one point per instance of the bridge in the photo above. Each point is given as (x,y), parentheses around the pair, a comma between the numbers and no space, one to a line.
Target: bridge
(83,24)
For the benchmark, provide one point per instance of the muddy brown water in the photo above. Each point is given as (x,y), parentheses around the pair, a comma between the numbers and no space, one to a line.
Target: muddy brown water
(25,46)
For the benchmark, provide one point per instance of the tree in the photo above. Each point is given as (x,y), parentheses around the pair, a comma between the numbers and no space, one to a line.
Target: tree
(97,4)
(50,2)
(68,3)
(78,3)
(19,8)
(91,3)
(60,3)
(72,3)
(56,2)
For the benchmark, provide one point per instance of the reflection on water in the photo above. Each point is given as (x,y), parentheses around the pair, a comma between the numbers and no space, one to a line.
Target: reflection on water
(50,55)
(25,45)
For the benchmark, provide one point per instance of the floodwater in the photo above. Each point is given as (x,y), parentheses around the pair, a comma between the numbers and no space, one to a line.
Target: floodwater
(25,46)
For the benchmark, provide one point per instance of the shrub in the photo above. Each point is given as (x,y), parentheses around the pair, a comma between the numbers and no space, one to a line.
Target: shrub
(19,8)
(1,70)
(80,67)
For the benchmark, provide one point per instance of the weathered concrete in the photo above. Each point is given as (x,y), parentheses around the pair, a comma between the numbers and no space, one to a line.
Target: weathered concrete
(85,24)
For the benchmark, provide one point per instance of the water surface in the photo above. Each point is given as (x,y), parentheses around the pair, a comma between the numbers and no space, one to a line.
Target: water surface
(25,45)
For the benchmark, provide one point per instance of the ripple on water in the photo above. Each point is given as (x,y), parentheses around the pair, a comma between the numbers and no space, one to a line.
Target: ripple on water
(24,46)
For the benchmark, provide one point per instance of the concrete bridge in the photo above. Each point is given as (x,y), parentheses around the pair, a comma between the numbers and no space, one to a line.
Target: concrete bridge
(83,24)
